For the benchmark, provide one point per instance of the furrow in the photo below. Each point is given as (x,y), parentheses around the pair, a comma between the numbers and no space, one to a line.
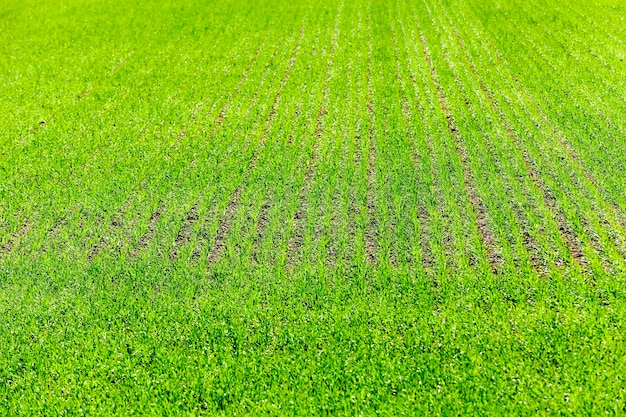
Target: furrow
(269,200)
(567,233)
(493,251)
(299,220)
(347,235)
(617,215)
(261,228)
(295,244)
(425,250)
(371,233)
(225,224)
(436,237)
(115,224)
(7,247)
(184,235)
(149,234)
(530,244)
(424,253)
(574,244)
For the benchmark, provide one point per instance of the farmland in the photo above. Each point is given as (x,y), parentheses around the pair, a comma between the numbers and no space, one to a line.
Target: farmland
(312,207)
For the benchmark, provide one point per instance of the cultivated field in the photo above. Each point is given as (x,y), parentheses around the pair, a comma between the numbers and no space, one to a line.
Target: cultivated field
(312,207)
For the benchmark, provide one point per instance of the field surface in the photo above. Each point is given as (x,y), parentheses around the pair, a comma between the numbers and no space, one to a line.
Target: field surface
(312,207)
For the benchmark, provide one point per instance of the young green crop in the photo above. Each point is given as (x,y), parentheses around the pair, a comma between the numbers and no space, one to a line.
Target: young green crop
(304,207)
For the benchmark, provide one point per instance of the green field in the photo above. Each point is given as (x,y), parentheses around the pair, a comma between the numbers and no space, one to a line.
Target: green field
(306,207)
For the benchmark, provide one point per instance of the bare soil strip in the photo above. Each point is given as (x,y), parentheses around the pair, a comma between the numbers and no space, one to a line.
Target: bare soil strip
(261,229)
(116,220)
(423,217)
(336,251)
(567,233)
(145,239)
(371,233)
(300,219)
(263,219)
(226,221)
(573,156)
(353,208)
(531,246)
(184,235)
(617,213)
(51,241)
(7,248)
(114,224)
(427,258)
(493,251)
(56,228)
(565,229)
(429,262)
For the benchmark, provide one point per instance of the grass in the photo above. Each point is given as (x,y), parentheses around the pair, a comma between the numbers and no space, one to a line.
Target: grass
(306,207)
